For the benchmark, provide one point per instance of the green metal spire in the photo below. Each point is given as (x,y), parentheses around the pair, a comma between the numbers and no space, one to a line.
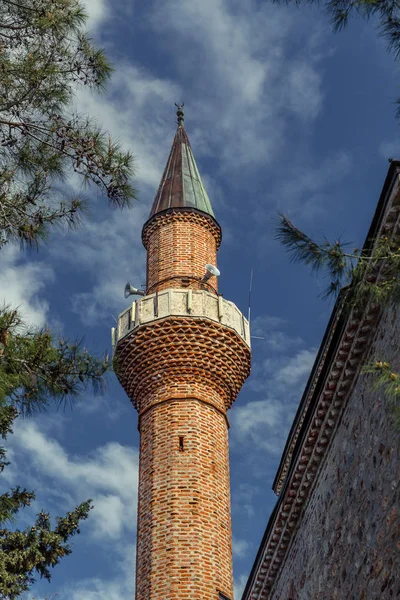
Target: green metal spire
(181,185)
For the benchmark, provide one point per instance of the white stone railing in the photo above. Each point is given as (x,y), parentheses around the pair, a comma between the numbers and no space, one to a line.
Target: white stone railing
(180,302)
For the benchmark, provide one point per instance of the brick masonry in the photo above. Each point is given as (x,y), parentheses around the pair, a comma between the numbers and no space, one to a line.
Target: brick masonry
(182,349)
(184,523)
(179,245)
(182,373)
(347,544)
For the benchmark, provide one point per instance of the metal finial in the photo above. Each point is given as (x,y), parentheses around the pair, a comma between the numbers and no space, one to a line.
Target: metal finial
(180,114)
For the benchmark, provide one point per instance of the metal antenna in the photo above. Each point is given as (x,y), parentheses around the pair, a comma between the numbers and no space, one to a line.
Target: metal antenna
(256,337)
(251,285)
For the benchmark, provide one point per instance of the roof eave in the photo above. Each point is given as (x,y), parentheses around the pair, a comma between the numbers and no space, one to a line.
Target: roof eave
(329,337)
(366,323)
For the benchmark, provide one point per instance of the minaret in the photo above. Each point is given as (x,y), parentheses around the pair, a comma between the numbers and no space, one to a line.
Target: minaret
(182,353)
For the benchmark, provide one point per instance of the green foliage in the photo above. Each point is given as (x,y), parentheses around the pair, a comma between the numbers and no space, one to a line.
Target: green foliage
(388,380)
(367,277)
(36,548)
(373,278)
(318,256)
(35,369)
(44,57)
(385,12)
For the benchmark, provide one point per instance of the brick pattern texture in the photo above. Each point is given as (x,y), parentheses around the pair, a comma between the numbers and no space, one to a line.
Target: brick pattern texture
(347,545)
(176,349)
(184,547)
(179,245)
(182,374)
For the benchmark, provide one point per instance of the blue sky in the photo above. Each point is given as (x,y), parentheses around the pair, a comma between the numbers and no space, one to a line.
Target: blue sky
(282,115)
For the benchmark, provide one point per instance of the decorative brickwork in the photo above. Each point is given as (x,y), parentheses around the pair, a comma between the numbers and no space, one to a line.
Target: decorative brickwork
(182,374)
(182,354)
(172,350)
(198,304)
(184,525)
(179,245)
(181,214)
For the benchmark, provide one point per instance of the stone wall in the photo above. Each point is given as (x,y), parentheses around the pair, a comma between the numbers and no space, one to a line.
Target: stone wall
(347,546)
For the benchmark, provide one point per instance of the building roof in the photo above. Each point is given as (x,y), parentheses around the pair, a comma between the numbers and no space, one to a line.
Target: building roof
(333,333)
(181,185)
(335,370)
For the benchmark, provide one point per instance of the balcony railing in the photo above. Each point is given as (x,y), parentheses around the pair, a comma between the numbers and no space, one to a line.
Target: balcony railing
(182,303)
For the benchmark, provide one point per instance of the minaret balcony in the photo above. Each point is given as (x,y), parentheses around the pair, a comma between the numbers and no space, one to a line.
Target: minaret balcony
(198,304)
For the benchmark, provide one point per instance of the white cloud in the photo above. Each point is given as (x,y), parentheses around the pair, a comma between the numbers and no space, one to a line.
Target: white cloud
(240,584)
(97,11)
(240,52)
(275,358)
(240,548)
(303,190)
(108,475)
(265,422)
(274,339)
(278,376)
(108,248)
(121,585)
(105,404)
(110,252)
(22,284)
(263,323)
(40,597)
(110,514)
(136,111)
(243,496)
(262,423)
(304,90)
(296,368)
(96,588)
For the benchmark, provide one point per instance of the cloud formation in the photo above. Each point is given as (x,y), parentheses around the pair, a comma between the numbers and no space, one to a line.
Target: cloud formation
(108,475)
(22,284)
(278,378)
(238,91)
(121,585)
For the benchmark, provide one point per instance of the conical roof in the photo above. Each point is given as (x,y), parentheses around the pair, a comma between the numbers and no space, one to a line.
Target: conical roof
(181,185)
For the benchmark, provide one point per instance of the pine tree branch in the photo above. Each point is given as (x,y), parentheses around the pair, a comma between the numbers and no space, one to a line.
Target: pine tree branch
(36,368)
(40,65)
(20,6)
(388,380)
(342,268)
(386,13)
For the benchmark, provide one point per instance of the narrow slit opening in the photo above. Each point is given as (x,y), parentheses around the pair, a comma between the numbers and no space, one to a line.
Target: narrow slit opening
(181,448)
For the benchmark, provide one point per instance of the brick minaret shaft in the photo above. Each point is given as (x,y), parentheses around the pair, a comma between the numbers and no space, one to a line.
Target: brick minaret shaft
(182,355)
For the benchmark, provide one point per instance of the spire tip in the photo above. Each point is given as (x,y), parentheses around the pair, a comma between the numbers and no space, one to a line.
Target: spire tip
(180,114)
